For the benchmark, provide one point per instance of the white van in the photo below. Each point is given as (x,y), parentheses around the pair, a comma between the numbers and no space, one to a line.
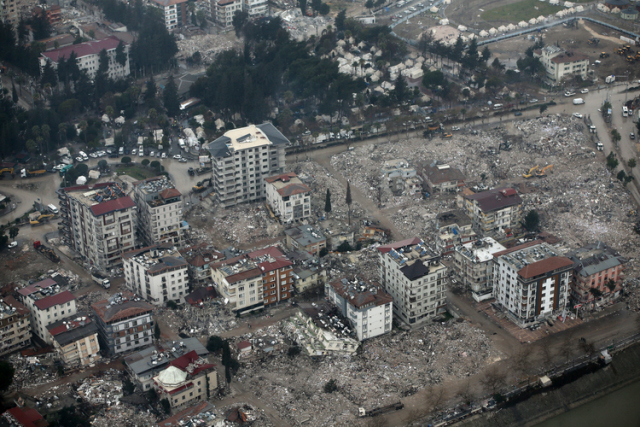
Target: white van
(121,151)
(52,209)
(625,111)
(497,107)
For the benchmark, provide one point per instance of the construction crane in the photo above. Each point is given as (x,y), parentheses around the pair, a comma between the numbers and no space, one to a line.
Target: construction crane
(542,173)
(530,173)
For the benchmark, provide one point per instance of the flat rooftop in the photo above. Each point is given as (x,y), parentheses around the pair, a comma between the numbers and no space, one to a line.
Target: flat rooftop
(101,199)
(156,258)
(305,235)
(531,261)
(162,354)
(158,191)
(361,294)
(481,250)
(237,268)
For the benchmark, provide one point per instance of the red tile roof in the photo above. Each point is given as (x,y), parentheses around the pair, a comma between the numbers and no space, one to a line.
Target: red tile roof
(254,272)
(187,359)
(544,266)
(244,344)
(35,287)
(284,177)
(498,198)
(27,417)
(293,189)
(169,193)
(82,49)
(112,205)
(397,245)
(280,260)
(57,299)
(20,309)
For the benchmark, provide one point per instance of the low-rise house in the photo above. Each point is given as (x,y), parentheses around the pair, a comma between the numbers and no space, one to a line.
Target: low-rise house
(15,324)
(473,263)
(145,364)
(305,238)
(454,229)
(560,63)
(187,380)
(76,340)
(288,197)
(442,178)
(598,272)
(364,304)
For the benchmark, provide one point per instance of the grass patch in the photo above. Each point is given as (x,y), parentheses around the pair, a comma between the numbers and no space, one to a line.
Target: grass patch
(521,11)
(137,172)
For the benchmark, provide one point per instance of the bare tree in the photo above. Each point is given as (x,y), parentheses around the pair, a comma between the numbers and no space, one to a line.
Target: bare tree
(465,392)
(588,347)
(435,399)
(494,379)
(547,355)
(521,362)
(568,343)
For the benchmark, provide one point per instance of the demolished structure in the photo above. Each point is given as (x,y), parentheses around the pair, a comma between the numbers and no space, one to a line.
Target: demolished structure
(473,263)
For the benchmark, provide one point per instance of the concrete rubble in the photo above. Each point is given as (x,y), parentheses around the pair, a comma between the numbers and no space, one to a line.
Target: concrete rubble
(209,45)
(202,322)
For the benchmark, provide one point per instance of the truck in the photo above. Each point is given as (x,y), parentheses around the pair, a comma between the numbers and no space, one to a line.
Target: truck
(201,171)
(101,279)
(64,170)
(578,101)
(599,146)
(380,410)
(610,79)
(46,251)
(28,174)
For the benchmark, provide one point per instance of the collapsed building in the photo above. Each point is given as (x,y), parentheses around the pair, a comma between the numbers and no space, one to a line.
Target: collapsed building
(473,262)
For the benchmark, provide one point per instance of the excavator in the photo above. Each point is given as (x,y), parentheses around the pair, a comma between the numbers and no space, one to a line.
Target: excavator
(530,173)
(542,172)
(201,186)
(38,218)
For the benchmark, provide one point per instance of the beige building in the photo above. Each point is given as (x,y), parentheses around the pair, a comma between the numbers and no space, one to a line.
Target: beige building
(473,263)
(288,197)
(415,278)
(76,340)
(224,10)
(441,178)
(98,222)
(560,63)
(174,12)
(454,228)
(15,325)
(305,278)
(494,210)
(242,158)
(239,281)
(159,211)
(188,379)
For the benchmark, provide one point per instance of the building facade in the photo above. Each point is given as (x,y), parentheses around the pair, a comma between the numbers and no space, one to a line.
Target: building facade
(88,57)
(98,222)
(415,278)
(124,323)
(242,158)
(560,63)
(15,325)
(239,280)
(497,209)
(531,282)
(224,10)
(187,380)
(306,278)
(288,197)
(441,178)
(47,304)
(277,274)
(305,238)
(368,308)
(173,11)
(76,340)
(198,258)
(598,272)
(157,273)
(159,211)
(256,8)
(454,229)
(473,263)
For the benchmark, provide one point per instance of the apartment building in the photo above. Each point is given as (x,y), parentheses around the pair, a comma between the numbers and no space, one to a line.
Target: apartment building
(256,8)
(598,272)
(242,158)
(125,323)
(288,197)
(454,229)
(415,278)
(239,281)
(157,273)
(174,12)
(367,307)
(473,263)
(47,304)
(198,258)
(147,363)
(531,282)
(88,57)
(306,278)
(497,209)
(98,222)
(15,325)
(159,211)
(12,10)
(277,274)
(224,10)
(305,238)
(76,340)
(560,63)
(441,178)
(187,380)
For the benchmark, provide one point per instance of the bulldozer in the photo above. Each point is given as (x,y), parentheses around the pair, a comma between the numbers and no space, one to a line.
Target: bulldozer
(543,172)
(529,174)
(630,59)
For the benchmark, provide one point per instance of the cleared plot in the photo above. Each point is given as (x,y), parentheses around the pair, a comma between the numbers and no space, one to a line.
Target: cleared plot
(520,11)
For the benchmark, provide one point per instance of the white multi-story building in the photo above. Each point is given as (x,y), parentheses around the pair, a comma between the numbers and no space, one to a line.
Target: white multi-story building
(242,158)
(47,305)
(497,209)
(15,325)
(289,197)
(174,12)
(560,63)
(531,282)
(414,276)
(159,211)
(473,263)
(364,304)
(225,10)
(256,8)
(124,321)
(88,57)
(76,340)
(98,222)
(157,273)
(239,280)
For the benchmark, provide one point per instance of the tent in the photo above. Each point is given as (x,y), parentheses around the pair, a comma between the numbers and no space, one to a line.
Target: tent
(493,31)
(462,28)
(502,29)
(532,21)
(483,33)
(579,9)
(522,24)
(511,27)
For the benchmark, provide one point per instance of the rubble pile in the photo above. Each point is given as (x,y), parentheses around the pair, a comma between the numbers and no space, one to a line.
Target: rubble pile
(106,389)
(210,319)
(387,369)
(124,416)
(31,371)
(84,302)
(209,45)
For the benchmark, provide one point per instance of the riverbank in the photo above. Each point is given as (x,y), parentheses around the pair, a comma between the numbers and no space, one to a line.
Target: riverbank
(623,371)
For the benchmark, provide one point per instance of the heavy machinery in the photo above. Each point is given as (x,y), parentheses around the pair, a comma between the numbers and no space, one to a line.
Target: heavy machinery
(28,174)
(446,135)
(7,167)
(529,174)
(38,218)
(434,127)
(201,171)
(380,410)
(48,252)
(201,186)
(630,59)
(542,172)
(604,55)
(191,172)
(619,51)
(594,41)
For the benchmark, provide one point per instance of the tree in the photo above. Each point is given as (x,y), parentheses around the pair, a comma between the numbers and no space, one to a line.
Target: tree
(293,351)
(344,247)
(327,202)
(145,162)
(543,108)
(615,136)
(215,344)
(497,65)
(369,5)
(170,98)
(13,232)
(166,406)
(102,165)
(151,89)
(621,175)
(155,164)
(172,304)
(323,252)
(611,285)
(227,374)
(156,331)
(126,160)
(348,200)
(324,9)
(612,162)
(631,163)
(340,18)
(14,93)
(597,293)
(128,387)
(401,91)
(6,375)
(121,55)
(239,20)
(331,386)
(494,379)
(532,220)
(303,6)
(486,54)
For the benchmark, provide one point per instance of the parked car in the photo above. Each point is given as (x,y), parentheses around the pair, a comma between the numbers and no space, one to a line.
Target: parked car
(134,151)
(578,115)
(93,155)
(151,154)
(158,154)
(164,155)
(584,91)
(13,245)
(533,101)
(79,159)
(632,135)
(177,156)
(183,160)
(517,113)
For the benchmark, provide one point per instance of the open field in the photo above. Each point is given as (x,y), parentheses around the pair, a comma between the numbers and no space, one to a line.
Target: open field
(521,11)
(136,172)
